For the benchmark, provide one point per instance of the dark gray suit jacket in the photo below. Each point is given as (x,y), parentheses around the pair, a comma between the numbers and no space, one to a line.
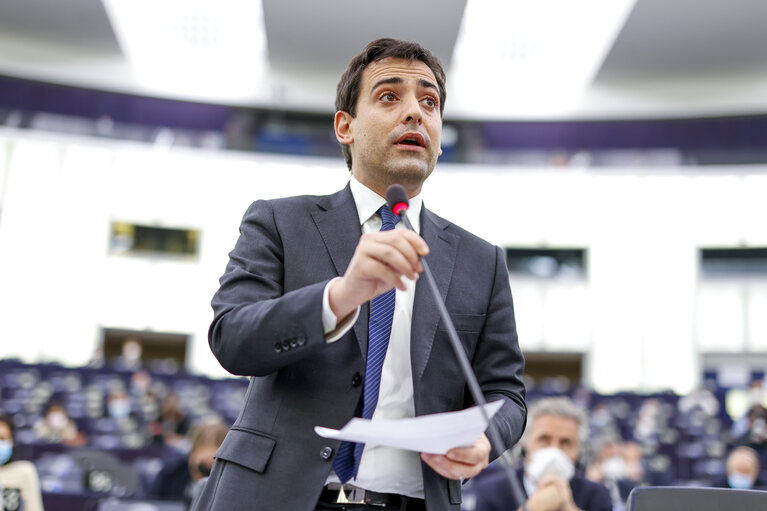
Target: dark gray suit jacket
(268,325)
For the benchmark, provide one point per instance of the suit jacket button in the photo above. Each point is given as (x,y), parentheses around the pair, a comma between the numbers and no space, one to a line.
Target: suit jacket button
(301,341)
(278,346)
(326,452)
(356,380)
(286,344)
(293,342)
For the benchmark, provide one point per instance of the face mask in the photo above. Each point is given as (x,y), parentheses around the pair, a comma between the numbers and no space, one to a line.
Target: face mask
(119,408)
(614,468)
(549,461)
(6,449)
(57,420)
(740,481)
(203,469)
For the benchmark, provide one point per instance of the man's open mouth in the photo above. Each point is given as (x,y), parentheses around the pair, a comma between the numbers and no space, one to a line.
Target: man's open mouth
(413,139)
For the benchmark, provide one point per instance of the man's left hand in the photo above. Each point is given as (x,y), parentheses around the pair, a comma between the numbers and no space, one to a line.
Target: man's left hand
(461,462)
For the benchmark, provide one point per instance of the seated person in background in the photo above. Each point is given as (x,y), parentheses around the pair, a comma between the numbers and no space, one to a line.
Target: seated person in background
(618,466)
(742,471)
(57,427)
(119,404)
(177,478)
(17,475)
(141,392)
(755,434)
(551,444)
(130,356)
(634,470)
(171,425)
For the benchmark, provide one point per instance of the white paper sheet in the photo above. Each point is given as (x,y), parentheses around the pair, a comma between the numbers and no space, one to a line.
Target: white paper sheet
(435,434)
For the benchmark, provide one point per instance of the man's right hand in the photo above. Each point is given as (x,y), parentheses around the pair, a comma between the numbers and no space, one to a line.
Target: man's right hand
(379,262)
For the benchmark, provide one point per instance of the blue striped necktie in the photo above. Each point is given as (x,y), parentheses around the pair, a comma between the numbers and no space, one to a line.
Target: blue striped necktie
(347,460)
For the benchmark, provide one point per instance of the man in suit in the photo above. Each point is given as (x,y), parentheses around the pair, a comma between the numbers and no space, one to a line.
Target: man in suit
(743,471)
(300,306)
(551,445)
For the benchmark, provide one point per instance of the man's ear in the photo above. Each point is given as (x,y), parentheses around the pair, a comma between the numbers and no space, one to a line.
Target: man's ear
(342,124)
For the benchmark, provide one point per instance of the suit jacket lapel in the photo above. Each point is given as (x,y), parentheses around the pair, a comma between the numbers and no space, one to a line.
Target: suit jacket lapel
(339,226)
(441,260)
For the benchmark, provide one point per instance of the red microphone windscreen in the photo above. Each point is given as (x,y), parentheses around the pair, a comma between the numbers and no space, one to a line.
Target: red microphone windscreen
(397,199)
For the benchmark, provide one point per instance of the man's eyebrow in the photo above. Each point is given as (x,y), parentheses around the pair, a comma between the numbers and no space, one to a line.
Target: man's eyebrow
(394,79)
(397,80)
(427,84)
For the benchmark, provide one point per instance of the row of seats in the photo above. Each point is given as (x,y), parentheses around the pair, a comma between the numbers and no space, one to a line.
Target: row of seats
(684,437)
(85,393)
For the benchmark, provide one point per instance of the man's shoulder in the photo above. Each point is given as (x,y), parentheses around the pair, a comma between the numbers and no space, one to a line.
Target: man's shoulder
(581,481)
(456,230)
(303,202)
(20,468)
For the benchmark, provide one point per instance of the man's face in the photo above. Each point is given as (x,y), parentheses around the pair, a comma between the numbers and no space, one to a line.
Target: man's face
(743,463)
(552,431)
(5,432)
(203,455)
(395,136)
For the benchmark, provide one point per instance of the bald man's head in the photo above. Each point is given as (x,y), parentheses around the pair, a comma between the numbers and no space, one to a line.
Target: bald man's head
(743,460)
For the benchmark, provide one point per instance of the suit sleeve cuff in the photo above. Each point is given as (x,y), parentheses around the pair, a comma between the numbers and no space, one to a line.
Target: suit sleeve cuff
(334,329)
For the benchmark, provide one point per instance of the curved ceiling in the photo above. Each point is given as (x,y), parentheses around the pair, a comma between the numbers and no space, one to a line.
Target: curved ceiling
(506,59)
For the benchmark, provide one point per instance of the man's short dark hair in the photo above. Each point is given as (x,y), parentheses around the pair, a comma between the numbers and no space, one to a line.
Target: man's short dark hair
(348,90)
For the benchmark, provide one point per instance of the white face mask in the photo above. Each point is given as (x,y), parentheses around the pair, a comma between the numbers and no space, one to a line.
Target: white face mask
(549,461)
(614,468)
(57,420)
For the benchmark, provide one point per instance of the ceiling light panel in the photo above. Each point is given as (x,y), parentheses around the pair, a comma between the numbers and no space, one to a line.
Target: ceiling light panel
(194,48)
(530,58)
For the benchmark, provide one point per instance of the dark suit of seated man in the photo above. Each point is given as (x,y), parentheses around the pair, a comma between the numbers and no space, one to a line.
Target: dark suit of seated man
(298,312)
(551,444)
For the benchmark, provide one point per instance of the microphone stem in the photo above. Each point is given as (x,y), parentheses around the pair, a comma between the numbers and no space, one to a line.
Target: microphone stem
(471,379)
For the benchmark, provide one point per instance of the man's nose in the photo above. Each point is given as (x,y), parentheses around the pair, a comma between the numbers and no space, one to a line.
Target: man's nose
(412,111)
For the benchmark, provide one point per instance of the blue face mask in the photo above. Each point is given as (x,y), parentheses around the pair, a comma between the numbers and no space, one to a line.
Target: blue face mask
(740,481)
(119,408)
(6,449)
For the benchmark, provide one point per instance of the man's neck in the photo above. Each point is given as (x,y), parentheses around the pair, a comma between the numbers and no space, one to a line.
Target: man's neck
(380,188)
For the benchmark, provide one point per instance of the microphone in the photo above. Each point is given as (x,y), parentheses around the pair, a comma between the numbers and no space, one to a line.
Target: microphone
(398,201)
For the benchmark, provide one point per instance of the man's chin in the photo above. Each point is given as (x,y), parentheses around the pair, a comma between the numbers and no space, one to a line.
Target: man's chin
(408,172)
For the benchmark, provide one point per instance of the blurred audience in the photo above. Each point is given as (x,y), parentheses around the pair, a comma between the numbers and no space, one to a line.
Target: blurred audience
(701,399)
(743,471)
(742,402)
(617,465)
(177,478)
(754,433)
(130,357)
(551,444)
(674,440)
(18,478)
(57,427)
(119,404)
(172,424)
(143,396)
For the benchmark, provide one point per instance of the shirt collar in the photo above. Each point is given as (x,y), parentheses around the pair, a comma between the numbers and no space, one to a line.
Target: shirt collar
(368,202)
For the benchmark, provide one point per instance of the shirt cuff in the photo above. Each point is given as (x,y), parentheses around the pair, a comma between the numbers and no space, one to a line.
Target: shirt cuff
(332,328)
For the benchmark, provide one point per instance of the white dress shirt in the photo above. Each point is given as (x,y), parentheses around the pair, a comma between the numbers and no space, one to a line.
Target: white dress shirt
(385,469)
